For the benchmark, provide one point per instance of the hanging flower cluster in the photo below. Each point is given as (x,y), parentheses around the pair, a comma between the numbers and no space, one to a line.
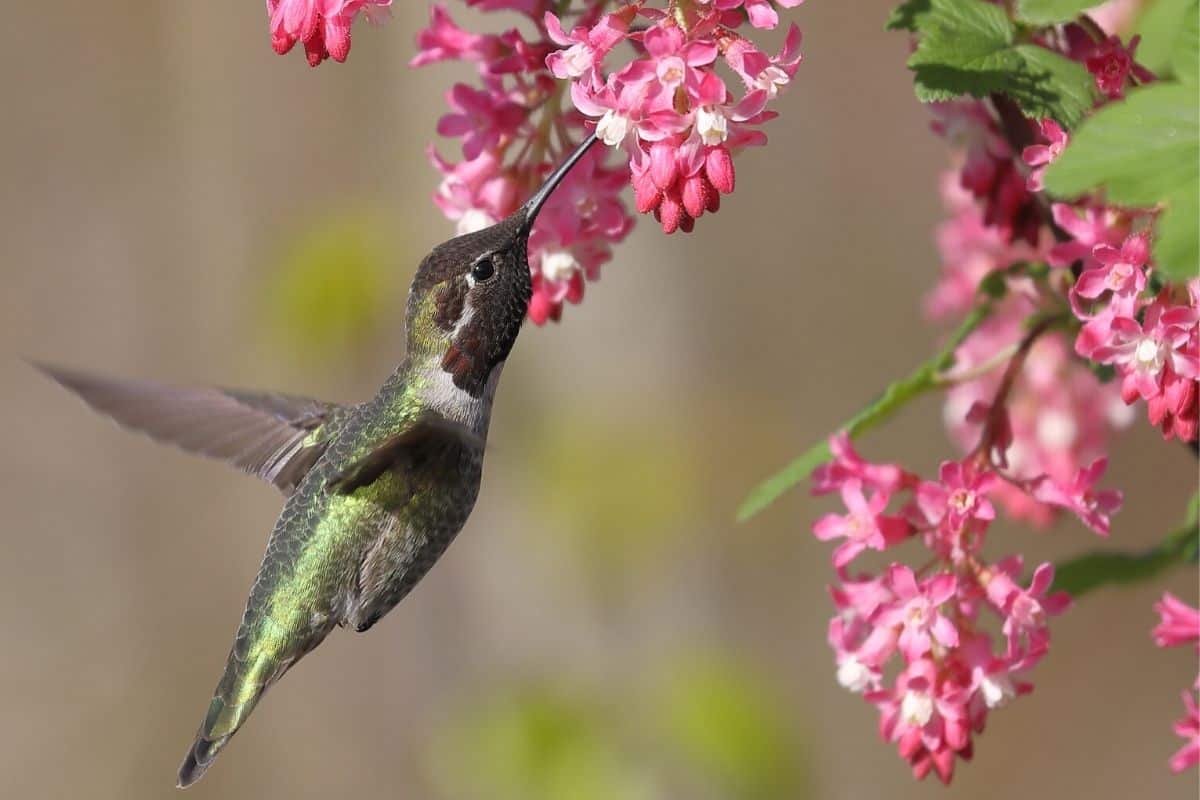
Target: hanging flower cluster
(663,104)
(1079,327)
(321,26)
(1179,626)
(933,620)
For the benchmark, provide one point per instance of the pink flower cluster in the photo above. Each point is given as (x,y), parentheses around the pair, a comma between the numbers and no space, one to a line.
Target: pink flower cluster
(323,26)
(665,105)
(952,670)
(669,108)
(1152,343)
(514,127)
(1179,625)
(1099,259)
(1037,430)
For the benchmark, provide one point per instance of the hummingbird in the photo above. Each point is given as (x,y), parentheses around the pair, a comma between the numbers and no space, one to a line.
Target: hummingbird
(375,492)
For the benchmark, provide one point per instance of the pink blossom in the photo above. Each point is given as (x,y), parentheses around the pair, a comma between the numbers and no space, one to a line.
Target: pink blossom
(847,464)
(1025,611)
(958,497)
(1092,507)
(916,611)
(1120,271)
(1098,226)
(586,45)
(1150,352)
(1179,623)
(1111,64)
(1040,156)
(1189,729)
(926,716)
(444,40)
(866,526)
(481,117)
(323,26)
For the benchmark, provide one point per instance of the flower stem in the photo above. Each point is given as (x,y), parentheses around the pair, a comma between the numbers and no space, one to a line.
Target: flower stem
(925,378)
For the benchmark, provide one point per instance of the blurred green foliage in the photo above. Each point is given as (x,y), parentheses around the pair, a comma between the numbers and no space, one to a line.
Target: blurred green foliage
(708,727)
(534,743)
(334,288)
(727,725)
(618,485)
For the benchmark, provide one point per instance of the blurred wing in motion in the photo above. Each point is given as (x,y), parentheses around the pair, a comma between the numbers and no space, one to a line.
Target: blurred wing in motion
(274,436)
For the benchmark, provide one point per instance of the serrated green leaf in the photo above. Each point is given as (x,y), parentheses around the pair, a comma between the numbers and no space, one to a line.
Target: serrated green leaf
(1049,85)
(970,35)
(963,48)
(967,48)
(1143,151)
(1159,27)
(1048,12)
(904,16)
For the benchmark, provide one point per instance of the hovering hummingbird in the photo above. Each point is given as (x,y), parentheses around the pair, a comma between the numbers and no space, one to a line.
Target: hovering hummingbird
(375,491)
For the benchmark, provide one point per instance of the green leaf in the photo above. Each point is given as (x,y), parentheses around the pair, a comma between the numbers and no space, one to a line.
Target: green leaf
(1048,12)
(904,16)
(964,48)
(1176,247)
(1093,570)
(1143,151)
(921,380)
(1185,55)
(967,47)
(1049,85)
(1159,27)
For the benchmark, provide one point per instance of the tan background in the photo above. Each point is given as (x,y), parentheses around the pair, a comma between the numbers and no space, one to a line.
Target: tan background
(158,159)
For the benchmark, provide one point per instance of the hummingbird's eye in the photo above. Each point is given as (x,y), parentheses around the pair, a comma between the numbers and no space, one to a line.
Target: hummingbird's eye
(484,269)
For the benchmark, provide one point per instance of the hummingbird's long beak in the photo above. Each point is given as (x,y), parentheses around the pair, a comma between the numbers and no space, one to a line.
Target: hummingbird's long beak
(534,204)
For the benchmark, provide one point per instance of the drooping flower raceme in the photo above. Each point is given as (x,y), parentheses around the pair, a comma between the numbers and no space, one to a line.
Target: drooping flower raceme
(661,104)
(321,26)
(952,671)
(1179,626)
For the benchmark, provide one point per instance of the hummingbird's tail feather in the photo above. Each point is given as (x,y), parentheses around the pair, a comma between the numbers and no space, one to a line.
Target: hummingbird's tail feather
(240,688)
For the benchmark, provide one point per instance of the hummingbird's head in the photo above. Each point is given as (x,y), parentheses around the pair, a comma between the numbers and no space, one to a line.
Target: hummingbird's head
(470,294)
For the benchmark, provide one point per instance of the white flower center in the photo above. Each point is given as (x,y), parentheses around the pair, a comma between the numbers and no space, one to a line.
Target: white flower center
(962,500)
(1119,275)
(771,79)
(578,59)
(671,70)
(916,708)
(559,265)
(1148,355)
(613,128)
(996,690)
(854,675)
(712,125)
(474,219)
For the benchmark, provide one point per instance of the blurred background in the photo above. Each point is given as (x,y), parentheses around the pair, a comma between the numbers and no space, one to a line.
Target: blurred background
(180,203)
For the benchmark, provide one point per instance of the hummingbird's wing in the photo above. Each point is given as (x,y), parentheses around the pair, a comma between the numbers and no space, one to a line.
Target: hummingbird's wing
(427,429)
(274,436)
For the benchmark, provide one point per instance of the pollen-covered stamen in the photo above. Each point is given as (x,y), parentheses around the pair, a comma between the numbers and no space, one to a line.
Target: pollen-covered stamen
(854,675)
(559,265)
(1149,355)
(916,708)
(712,126)
(613,128)
(996,689)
